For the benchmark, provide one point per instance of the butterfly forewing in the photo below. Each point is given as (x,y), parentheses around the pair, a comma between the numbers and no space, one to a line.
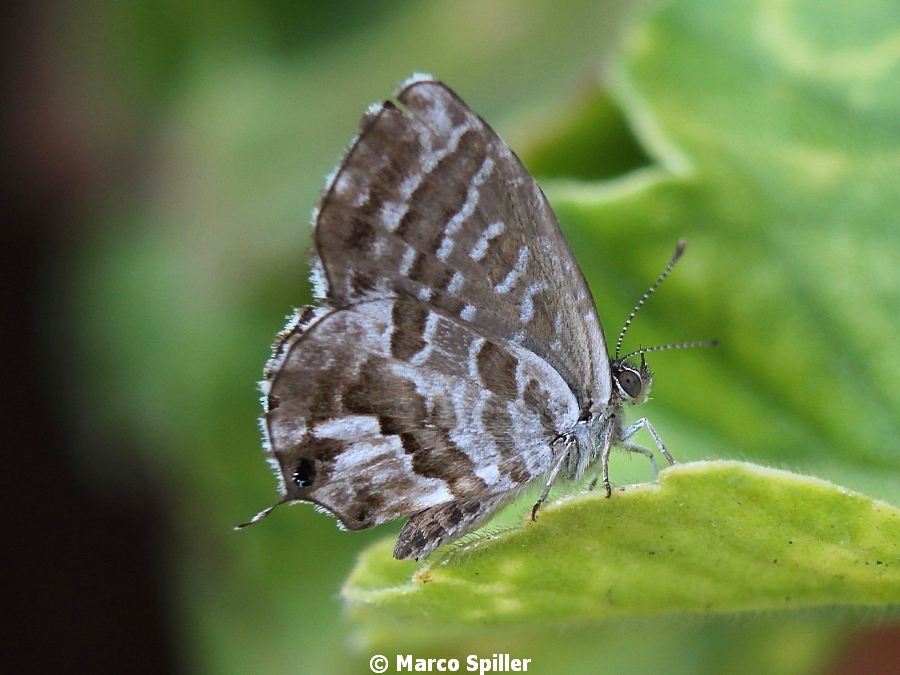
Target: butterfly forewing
(432,204)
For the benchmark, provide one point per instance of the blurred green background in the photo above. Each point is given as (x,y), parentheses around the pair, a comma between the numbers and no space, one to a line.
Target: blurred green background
(164,158)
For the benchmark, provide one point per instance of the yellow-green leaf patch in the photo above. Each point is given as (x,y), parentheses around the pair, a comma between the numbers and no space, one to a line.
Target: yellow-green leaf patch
(710,537)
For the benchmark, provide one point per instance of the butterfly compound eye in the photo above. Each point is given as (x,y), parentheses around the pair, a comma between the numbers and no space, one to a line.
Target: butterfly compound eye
(631,383)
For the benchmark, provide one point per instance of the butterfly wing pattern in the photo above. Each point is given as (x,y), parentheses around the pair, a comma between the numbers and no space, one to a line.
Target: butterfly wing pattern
(456,350)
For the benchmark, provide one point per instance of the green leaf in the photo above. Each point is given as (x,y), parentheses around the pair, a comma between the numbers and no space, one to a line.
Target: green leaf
(586,138)
(710,537)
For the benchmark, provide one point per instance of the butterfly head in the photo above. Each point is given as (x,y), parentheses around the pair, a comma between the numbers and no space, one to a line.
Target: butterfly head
(632,382)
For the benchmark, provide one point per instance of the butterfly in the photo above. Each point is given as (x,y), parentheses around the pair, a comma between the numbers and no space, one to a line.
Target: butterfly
(455,356)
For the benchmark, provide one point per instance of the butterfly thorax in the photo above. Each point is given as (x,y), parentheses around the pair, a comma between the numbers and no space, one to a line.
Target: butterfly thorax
(605,424)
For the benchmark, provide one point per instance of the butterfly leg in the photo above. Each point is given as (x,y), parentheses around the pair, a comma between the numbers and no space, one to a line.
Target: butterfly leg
(634,447)
(604,463)
(624,441)
(552,479)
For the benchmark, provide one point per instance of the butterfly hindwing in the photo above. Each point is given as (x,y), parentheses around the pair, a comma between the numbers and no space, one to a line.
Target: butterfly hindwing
(388,407)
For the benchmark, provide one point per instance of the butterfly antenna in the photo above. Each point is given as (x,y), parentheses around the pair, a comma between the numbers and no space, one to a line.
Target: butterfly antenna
(679,345)
(679,249)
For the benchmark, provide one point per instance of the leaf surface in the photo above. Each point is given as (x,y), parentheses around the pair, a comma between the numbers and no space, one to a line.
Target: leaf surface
(710,537)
